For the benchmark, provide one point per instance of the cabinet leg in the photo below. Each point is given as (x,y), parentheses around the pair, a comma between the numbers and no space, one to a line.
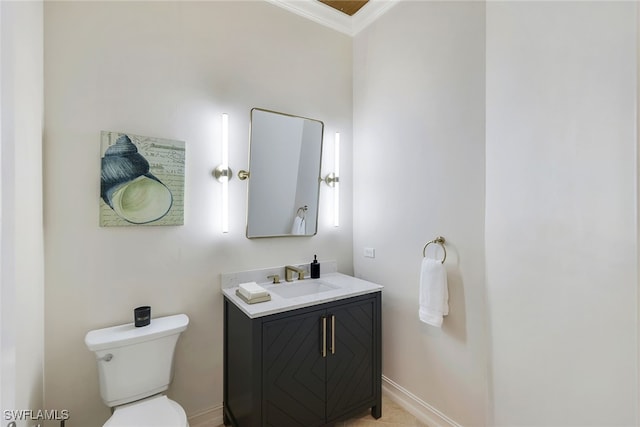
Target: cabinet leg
(225,419)
(376,411)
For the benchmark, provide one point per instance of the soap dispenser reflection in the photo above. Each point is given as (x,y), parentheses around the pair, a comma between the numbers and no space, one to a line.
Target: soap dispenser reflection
(315,268)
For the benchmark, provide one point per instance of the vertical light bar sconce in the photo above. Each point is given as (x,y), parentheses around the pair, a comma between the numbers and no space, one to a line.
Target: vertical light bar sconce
(223,173)
(336,188)
(333,180)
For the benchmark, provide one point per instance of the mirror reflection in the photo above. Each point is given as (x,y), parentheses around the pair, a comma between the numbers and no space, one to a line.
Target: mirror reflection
(285,154)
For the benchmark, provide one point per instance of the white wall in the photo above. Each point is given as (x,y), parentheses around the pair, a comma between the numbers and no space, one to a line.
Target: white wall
(561,235)
(561,212)
(169,69)
(22,268)
(419,172)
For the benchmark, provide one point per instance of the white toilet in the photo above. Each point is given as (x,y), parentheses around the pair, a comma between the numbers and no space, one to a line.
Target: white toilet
(135,367)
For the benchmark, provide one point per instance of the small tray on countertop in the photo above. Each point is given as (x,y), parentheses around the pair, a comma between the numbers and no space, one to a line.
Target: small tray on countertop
(253,300)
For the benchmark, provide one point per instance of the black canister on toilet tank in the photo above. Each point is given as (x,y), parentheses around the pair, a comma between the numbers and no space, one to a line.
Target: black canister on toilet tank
(142,316)
(315,268)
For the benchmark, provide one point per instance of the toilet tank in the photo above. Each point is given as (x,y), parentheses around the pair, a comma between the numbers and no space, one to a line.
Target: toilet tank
(134,363)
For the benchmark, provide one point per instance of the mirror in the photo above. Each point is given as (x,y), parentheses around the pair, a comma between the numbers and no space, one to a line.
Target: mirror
(285,154)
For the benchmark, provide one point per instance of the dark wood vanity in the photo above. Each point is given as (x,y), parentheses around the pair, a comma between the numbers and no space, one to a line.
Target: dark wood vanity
(307,367)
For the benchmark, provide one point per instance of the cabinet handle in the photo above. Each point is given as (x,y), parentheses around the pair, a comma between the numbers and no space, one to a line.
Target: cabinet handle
(324,336)
(333,334)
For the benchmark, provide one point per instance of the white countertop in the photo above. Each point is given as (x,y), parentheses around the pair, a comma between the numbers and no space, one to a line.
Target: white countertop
(345,287)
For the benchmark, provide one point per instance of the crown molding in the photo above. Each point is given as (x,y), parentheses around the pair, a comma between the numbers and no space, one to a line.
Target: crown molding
(373,10)
(329,17)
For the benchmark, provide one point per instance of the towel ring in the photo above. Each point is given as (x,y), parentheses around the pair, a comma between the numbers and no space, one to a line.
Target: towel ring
(439,241)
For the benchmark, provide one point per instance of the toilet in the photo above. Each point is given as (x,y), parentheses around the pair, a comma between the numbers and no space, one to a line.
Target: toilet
(135,368)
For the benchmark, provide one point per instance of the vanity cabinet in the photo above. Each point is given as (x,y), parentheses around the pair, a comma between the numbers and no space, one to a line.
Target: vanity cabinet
(307,367)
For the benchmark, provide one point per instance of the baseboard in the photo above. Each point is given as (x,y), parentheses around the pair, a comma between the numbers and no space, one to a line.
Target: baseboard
(211,417)
(415,406)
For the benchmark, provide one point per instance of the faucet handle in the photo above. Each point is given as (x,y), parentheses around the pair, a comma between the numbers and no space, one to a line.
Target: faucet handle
(275,277)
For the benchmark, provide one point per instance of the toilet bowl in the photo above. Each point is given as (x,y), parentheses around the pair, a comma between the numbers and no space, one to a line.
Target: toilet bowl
(135,368)
(154,411)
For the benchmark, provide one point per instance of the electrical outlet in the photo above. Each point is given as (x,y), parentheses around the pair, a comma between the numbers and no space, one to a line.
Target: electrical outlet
(369,252)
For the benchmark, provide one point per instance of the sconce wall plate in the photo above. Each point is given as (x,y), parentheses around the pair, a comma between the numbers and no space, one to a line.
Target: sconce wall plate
(221,172)
(331,180)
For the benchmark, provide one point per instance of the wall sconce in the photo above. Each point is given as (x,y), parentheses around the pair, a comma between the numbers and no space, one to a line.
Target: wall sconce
(223,173)
(333,180)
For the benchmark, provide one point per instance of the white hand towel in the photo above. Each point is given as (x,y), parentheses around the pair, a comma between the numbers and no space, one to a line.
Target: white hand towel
(434,292)
(252,290)
(299,226)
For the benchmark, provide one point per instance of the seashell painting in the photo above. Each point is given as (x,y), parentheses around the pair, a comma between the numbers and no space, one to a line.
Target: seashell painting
(142,180)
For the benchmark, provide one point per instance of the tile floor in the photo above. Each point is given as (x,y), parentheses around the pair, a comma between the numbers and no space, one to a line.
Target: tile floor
(392,415)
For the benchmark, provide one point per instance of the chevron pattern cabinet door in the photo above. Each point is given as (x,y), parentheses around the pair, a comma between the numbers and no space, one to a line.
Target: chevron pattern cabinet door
(294,371)
(350,364)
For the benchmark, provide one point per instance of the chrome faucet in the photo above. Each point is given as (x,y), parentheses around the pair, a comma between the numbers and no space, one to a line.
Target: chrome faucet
(289,269)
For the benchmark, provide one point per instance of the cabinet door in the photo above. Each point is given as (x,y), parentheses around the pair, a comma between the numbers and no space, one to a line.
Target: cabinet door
(351,358)
(294,371)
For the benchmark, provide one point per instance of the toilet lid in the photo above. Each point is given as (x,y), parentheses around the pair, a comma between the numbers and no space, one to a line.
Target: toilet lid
(153,412)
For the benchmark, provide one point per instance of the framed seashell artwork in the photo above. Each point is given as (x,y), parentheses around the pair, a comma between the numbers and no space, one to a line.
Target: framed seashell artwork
(141,180)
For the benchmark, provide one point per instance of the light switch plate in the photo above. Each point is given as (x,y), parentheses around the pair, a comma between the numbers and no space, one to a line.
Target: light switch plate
(369,252)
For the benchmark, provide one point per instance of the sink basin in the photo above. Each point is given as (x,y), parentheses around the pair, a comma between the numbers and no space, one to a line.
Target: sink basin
(301,288)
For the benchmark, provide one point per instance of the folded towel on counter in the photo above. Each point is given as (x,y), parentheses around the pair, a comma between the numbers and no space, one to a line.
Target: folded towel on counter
(434,292)
(299,226)
(254,300)
(252,290)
